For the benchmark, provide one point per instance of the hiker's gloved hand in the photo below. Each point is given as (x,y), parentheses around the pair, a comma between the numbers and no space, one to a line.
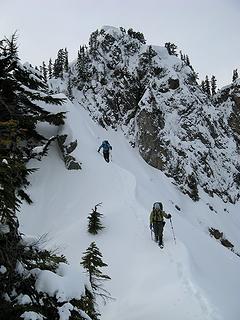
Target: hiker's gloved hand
(169,216)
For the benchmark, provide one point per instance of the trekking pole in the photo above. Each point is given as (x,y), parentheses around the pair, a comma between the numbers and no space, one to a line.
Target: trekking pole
(173,231)
(151,234)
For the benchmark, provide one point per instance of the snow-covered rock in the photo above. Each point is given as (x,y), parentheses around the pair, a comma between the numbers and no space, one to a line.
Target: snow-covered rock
(155,99)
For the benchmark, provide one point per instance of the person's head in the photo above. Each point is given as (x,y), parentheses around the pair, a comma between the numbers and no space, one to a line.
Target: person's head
(105,141)
(158,206)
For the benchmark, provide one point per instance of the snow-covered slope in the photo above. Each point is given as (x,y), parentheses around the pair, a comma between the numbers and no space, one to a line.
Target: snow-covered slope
(196,278)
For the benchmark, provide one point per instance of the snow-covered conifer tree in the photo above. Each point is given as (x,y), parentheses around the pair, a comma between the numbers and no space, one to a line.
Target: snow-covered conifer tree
(94,223)
(92,262)
(235,75)
(207,86)
(21,89)
(213,85)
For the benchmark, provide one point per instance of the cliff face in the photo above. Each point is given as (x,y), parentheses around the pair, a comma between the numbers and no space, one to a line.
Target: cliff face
(228,101)
(153,96)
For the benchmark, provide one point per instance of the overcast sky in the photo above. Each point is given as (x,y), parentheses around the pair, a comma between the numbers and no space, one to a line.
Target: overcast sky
(206,30)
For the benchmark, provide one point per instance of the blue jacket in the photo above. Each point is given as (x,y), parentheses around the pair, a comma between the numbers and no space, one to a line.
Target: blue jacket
(106,146)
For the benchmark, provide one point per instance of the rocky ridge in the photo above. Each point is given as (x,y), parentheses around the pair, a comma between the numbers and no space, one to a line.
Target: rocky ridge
(154,97)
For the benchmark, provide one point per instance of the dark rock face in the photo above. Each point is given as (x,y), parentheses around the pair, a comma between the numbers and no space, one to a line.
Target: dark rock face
(70,162)
(173,83)
(234,119)
(228,100)
(151,149)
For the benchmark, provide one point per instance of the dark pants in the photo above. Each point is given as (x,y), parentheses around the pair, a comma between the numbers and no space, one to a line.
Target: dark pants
(158,231)
(106,155)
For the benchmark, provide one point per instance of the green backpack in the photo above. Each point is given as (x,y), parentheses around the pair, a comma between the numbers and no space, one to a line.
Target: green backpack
(157,205)
(157,209)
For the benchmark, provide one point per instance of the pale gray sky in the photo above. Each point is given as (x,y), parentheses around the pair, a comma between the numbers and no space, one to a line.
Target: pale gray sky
(206,30)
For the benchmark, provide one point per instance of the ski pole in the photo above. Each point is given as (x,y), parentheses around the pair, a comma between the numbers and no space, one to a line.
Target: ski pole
(173,231)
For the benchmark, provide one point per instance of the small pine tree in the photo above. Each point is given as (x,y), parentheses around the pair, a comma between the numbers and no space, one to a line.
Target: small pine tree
(93,44)
(171,48)
(213,85)
(58,66)
(44,71)
(66,64)
(188,61)
(203,86)
(235,75)
(94,224)
(147,57)
(207,86)
(92,262)
(136,35)
(182,56)
(10,51)
(50,69)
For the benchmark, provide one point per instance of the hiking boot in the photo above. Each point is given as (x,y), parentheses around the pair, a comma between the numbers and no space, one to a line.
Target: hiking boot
(160,244)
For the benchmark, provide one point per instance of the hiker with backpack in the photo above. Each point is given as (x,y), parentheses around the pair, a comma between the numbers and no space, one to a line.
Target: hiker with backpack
(157,222)
(106,148)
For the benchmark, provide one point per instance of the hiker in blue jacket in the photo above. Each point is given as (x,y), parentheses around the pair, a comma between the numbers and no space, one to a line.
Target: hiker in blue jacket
(106,148)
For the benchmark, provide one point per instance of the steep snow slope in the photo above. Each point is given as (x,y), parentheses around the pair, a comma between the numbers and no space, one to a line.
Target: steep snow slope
(196,278)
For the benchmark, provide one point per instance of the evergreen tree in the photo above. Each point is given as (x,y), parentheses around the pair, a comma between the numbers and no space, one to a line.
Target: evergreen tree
(66,64)
(147,57)
(50,69)
(182,56)
(185,58)
(171,48)
(58,66)
(44,71)
(82,66)
(136,35)
(187,61)
(213,85)
(235,75)
(93,44)
(94,223)
(203,86)
(123,30)
(207,86)
(92,262)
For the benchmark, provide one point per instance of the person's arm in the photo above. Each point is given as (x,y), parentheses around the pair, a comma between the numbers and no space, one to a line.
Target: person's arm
(100,147)
(167,216)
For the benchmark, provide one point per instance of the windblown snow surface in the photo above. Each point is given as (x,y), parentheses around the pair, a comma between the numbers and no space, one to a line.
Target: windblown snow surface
(194,278)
